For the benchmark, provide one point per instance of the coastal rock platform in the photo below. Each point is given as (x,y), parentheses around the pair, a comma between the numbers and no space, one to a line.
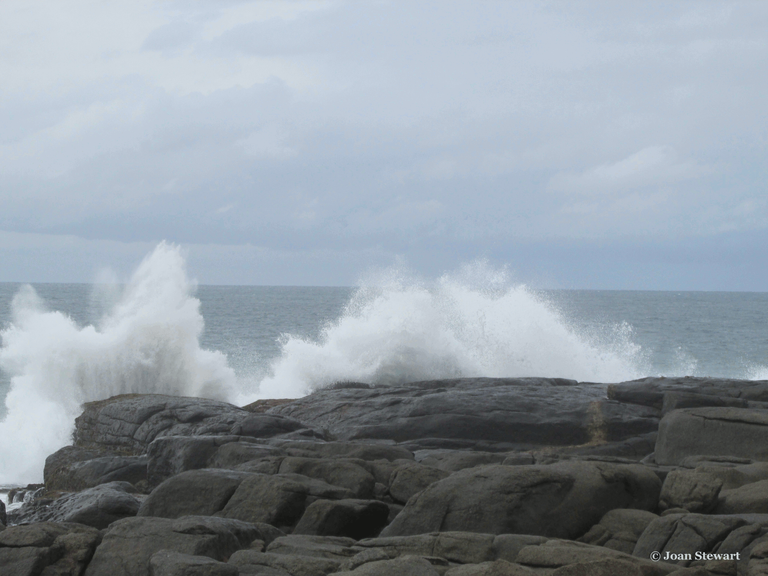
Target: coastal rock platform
(464,477)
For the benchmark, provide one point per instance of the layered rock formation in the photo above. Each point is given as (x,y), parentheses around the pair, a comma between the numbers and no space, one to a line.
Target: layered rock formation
(466,477)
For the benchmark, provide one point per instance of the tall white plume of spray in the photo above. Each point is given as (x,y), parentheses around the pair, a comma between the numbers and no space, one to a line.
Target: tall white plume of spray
(472,323)
(147,343)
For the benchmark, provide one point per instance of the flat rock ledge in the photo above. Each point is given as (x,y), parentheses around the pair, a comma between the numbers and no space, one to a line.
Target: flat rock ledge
(463,477)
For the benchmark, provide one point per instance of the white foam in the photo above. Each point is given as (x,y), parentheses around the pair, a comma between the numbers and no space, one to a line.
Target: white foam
(472,323)
(148,342)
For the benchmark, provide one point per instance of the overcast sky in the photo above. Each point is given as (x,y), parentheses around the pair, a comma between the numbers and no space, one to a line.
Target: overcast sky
(581,144)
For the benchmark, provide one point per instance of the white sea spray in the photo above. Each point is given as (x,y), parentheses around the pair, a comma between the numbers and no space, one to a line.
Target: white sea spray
(475,322)
(148,342)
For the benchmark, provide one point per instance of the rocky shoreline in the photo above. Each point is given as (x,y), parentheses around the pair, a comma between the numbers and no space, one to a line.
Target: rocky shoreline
(466,477)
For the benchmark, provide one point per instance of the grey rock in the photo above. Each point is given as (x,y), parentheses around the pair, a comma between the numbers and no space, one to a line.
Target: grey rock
(196,492)
(683,533)
(455,460)
(365,556)
(473,411)
(748,499)
(410,477)
(171,455)
(129,544)
(26,561)
(679,400)
(98,506)
(280,499)
(402,566)
(3,517)
(555,554)
(695,491)
(55,549)
(650,391)
(358,450)
(232,454)
(71,469)
(349,518)
(619,529)
(169,563)
(334,547)
(758,560)
(131,422)
(269,465)
(734,475)
(508,546)
(252,562)
(559,500)
(609,567)
(495,568)
(347,473)
(460,547)
(635,448)
(712,431)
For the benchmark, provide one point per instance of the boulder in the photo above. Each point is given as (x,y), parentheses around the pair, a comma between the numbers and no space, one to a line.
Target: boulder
(233,454)
(171,455)
(758,560)
(333,547)
(350,518)
(279,499)
(554,554)
(132,421)
(495,568)
(345,472)
(712,431)
(369,451)
(650,391)
(732,475)
(129,544)
(455,460)
(3,517)
(695,491)
(169,563)
(402,566)
(72,468)
(410,477)
(97,507)
(619,529)
(748,499)
(61,549)
(559,500)
(688,533)
(254,562)
(474,412)
(460,547)
(193,493)
(610,567)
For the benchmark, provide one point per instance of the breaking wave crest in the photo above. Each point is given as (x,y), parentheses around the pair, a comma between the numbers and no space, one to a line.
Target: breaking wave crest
(473,323)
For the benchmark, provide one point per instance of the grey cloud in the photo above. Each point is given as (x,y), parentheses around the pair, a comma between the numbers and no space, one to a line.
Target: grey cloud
(417,128)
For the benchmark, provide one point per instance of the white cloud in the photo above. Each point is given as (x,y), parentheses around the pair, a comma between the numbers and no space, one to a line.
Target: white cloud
(267,142)
(651,166)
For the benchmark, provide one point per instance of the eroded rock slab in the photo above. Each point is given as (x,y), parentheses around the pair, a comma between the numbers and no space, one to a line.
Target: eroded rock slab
(736,432)
(130,544)
(131,422)
(560,500)
(469,411)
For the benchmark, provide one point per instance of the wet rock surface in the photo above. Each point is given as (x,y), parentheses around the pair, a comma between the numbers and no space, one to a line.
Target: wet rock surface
(467,477)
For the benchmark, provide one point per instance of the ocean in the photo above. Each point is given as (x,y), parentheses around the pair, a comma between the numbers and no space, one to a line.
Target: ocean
(65,344)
